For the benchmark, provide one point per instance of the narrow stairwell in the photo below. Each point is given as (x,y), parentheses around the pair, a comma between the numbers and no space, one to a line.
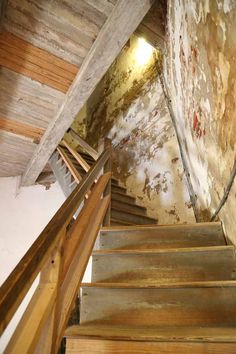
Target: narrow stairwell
(158,289)
(124,209)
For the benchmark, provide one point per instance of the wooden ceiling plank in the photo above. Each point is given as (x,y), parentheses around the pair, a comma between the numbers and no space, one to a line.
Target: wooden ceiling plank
(26,100)
(52,27)
(20,43)
(55,62)
(23,129)
(124,19)
(29,56)
(33,71)
(103,6)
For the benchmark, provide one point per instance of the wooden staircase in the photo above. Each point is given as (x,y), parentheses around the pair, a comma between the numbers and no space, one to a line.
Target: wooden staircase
(154,289)
(158,289)
(124,210)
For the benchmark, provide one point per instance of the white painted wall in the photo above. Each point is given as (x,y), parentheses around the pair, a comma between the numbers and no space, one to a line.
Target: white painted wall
(23,215)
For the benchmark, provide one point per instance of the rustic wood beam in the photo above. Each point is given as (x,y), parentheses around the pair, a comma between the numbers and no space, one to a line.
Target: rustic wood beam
(124,19)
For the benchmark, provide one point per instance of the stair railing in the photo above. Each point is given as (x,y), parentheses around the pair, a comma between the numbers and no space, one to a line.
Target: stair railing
(60,255)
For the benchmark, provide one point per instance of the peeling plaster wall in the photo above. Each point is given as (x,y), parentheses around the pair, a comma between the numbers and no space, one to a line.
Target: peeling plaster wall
(128,106)
(200,70)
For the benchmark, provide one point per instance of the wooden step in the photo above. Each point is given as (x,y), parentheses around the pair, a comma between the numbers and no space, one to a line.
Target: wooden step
(146,340)
(118,189)
(120,197)
(166,236)
(129,207)
(130,217)
(166,305)
(116,222)
(173,265)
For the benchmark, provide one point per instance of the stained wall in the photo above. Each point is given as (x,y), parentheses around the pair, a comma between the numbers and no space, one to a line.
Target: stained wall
(128,106)
(200,69)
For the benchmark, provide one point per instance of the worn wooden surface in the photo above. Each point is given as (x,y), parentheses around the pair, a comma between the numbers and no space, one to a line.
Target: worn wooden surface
(214,306)
(124,332)
(66,29)
(86,346)
(22,129)
(15,152)
(125,17)
(156,237)
(19,281)
(69,164)
(37,64)
(27,101)
(72,281)
(205,263)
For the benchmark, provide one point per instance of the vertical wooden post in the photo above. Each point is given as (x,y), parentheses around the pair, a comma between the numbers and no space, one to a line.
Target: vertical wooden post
(106,144)
(51,274)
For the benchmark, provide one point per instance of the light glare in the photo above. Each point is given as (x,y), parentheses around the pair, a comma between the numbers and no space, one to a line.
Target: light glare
(144,52)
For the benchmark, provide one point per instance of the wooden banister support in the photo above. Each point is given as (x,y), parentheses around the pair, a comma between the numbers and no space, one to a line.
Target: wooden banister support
(73,170)
(77,156)
(105,144)
(74,275)
(20,280)
(75,234)
(84,145)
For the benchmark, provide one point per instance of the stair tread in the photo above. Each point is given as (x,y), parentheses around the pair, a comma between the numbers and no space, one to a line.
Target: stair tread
(163,285)
(181,334)
(163,250)
(159,227)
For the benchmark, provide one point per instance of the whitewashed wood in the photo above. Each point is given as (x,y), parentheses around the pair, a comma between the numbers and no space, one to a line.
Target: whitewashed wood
(26,100)
(125,17)
(64,28)
(15,153)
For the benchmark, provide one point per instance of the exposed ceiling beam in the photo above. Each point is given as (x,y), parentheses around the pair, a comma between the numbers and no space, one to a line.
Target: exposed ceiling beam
(124,19)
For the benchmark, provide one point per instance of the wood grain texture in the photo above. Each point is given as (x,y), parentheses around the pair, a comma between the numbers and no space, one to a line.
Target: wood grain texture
(157,237)
(162,334)
(213,306)
(158,268)
(23,129)
(26,59)
(15,153)
(19,281)
(66,28)
(88,346)
(125,17)
(27,101)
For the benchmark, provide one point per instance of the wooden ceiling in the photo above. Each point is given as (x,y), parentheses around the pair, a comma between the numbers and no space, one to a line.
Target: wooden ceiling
(43,44)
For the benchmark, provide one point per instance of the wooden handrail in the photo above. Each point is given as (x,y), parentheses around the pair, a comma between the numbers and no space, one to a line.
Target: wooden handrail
(18,283)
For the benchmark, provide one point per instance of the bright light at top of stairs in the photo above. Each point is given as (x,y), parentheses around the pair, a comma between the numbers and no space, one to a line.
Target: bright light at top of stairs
(144,52)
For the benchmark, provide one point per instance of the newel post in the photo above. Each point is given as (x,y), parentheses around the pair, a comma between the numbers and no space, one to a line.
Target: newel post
(105,143)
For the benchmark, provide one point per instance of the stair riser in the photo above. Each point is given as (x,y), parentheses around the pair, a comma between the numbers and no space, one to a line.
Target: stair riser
(99,346)
(123,198)
(130,208)
(131,218)
(167,267)
(160,307)
(117,189)
(159,237)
